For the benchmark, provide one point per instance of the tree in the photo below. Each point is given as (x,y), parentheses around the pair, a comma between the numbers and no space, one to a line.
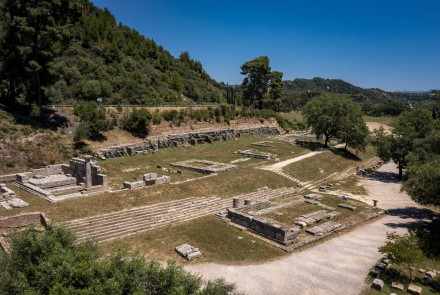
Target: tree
(35,31)
(336,117)
(422,181)
(275,90)
(137,122)
(53,263)
(259,77)
(402,250)
(409,127)
(93,118)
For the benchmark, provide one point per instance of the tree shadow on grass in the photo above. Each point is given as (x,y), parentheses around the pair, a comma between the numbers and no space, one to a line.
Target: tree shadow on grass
(346,154)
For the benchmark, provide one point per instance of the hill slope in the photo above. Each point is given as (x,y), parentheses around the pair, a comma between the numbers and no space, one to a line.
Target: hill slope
(374,101)
(60,51)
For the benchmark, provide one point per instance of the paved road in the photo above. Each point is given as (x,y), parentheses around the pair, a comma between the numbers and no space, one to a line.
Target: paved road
(338,266)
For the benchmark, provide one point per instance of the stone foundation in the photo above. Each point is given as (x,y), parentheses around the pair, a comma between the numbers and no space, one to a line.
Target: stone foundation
(204,166)
(265,227)
(21,220)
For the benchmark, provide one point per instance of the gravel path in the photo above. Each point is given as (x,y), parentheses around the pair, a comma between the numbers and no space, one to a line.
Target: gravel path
(338,266)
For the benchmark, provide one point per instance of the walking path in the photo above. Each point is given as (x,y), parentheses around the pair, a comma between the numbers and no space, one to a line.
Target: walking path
(338,266)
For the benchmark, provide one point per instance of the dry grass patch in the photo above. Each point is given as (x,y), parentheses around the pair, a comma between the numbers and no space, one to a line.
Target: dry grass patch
(352,185)
(224,185)
(218,242)
(330,162)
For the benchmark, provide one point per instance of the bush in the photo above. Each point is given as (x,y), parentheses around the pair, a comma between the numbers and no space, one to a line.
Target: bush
(10,163)
(93,118)
(53,263)
(137,122)
(27,130)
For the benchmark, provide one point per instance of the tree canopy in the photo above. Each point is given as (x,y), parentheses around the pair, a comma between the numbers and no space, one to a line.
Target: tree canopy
(52,263)
(336,117)
(261,87)
(402,250)
(69,50)
(409,127)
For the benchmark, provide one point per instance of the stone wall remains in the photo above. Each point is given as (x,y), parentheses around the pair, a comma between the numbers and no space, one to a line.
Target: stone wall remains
(24,219)
(267,228)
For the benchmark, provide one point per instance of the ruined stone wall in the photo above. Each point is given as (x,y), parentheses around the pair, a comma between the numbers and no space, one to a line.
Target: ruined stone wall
(35,218)
(7,178)
(285,236)
(77,168)
(49,170)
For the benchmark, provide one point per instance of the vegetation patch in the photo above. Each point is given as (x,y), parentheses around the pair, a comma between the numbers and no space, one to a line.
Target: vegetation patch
(216,240)
(324,164)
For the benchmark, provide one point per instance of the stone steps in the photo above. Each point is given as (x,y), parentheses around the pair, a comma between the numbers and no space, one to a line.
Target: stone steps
(123,220)
(120,224)
(130,226)
(85,221)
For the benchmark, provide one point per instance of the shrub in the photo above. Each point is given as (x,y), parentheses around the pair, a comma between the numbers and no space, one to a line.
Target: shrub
(27,130)
(137,122)
(10,163)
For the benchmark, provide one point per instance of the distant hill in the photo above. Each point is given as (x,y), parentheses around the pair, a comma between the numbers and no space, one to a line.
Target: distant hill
(69,50)
(374,101)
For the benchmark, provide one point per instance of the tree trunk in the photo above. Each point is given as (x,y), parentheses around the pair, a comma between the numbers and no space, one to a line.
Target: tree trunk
(400,171)
(326,141)
(38,90)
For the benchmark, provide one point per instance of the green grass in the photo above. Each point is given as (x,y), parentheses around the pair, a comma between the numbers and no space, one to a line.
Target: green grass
(351,185)
(116,169)
(288,214)
(227,184)
(329,161)
(294,116)
(382,120)
(216,240)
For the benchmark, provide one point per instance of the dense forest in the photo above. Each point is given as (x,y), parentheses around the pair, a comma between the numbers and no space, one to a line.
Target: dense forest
(68,50)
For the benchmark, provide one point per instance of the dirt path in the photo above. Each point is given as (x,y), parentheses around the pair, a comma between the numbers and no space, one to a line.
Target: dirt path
(338,266)
(282,164)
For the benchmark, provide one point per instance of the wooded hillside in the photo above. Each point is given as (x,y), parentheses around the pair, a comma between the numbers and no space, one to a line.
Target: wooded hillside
(68,50)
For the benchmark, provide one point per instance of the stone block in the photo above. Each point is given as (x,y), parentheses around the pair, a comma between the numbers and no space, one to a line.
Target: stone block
(17,203)
(188,251)
(431,274)
(414,289)
(397,286)
(381,266)
(162,179)
(346,206)
(374,272)
(150,176)
(377,284)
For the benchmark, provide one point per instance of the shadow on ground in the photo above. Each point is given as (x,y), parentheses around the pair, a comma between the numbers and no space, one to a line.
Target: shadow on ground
(386,177)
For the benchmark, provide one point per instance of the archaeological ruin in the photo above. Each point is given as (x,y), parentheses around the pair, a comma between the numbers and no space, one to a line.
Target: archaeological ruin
(60,182)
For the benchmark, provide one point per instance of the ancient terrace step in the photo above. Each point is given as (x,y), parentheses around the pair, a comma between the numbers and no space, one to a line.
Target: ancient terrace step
(120,224)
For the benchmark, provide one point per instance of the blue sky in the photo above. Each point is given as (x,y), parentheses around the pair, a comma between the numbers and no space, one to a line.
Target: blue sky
(388,44)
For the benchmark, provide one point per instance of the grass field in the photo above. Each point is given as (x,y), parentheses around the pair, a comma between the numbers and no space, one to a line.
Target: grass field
(133,168)
(382,120)
(216,240)
(330,161)
(298,116)
(294,116)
